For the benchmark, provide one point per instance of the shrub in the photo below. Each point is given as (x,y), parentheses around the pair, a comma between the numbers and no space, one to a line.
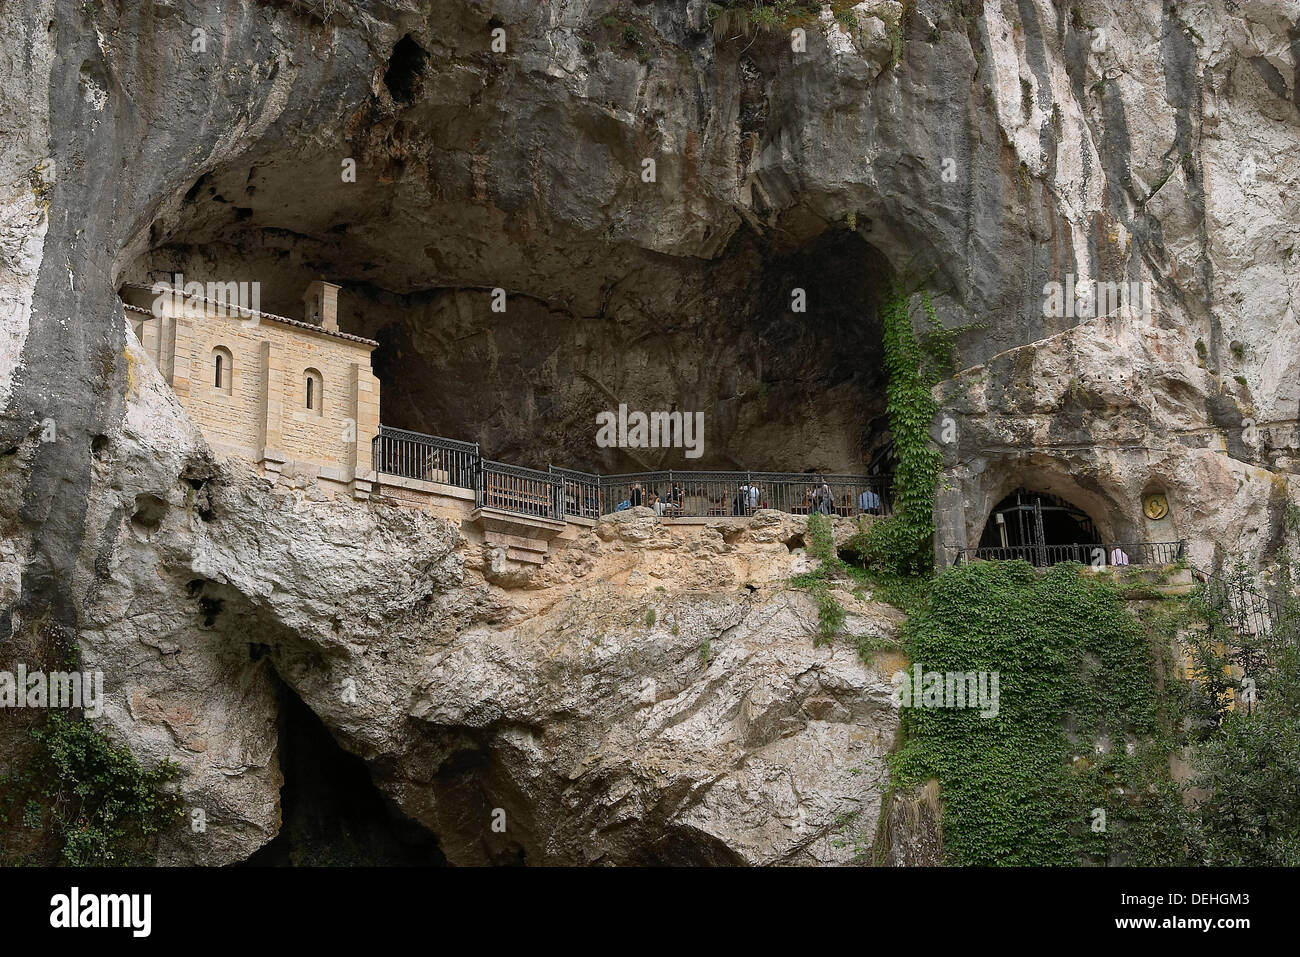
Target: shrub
(101,805)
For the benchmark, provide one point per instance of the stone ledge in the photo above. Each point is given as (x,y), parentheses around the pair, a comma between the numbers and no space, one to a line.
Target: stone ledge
(523,526)
(420,485)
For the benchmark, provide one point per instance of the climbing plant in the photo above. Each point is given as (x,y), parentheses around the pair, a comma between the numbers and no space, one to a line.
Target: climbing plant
(821,546)
(896,551)
(1074,766)
(914,364)
(833,572)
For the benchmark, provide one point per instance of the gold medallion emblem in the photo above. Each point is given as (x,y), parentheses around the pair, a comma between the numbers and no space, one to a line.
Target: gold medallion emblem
(1155,506)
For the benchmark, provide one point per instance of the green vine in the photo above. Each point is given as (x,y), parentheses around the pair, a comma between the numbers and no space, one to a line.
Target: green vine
(902,543)
(832,571)
(821,546)
(1024,787)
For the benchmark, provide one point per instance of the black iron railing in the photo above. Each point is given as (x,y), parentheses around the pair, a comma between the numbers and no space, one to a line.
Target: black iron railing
(513,488)
(560,493)
(1099,555)
(707,494)
(1244,610)
(581,492)
(428,458)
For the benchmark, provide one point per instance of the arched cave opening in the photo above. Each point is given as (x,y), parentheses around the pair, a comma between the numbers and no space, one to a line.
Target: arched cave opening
(405,67)
(331,813)
(776,342)
(1040,528)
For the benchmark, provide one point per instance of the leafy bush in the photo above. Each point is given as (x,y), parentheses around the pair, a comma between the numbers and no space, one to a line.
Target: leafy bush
(102,807)
(1248,751)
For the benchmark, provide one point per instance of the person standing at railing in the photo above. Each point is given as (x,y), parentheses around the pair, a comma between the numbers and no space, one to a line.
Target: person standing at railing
(869,502)
(741,500)
(825,500)
(637,497)
(753,499)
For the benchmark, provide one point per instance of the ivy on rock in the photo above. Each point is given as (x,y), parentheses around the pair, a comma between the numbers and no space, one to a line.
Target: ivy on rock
(1074,766)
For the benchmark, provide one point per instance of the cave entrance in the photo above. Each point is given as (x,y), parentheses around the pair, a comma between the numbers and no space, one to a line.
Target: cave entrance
(518,339)
(331,812)
(1040,528)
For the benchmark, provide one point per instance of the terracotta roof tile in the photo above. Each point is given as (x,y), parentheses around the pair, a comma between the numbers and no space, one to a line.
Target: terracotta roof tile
(261,315)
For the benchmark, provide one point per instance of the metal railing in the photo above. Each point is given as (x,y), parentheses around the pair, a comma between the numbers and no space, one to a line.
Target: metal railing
(558,492)
(427,458)
(1111,554)
(513,488)
(581,493)
(849,494)
(1244,610)
(718,494)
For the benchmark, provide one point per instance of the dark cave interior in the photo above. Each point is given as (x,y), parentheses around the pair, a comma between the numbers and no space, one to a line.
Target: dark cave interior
(1040,525)
(331,812)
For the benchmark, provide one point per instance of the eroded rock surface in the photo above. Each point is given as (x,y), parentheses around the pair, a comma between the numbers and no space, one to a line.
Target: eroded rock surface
(658,697)
(1103,415)
(1150,142)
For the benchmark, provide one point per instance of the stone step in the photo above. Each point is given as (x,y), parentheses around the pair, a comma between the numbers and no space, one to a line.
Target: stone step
(526,555)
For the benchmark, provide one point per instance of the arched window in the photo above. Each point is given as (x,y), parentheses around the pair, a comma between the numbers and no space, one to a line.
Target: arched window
(313,391)
(223,369)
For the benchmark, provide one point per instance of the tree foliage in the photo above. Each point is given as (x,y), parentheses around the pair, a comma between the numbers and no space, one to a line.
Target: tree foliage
(1247,753)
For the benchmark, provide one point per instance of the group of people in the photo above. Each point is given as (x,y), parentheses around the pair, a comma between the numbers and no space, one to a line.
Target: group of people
(748,498)
(667,504)
(820,499)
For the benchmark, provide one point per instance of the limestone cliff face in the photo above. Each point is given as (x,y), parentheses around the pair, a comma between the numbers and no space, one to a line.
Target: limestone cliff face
(1150,141)
(649,695)
(1105,414)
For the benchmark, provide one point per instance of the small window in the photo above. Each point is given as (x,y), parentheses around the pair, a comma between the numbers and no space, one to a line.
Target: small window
(223,369)
(314,391)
